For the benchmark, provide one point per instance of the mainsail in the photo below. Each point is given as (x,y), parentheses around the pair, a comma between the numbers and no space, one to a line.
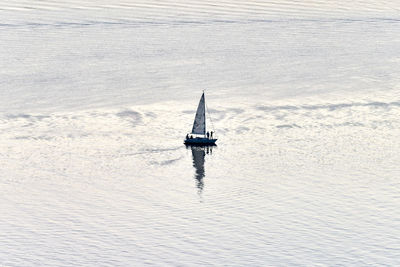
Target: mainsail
(199,124)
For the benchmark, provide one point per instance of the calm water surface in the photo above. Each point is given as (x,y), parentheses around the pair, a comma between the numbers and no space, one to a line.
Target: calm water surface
(95,101)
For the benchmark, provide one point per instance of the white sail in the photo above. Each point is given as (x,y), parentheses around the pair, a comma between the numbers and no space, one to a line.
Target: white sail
(199,124)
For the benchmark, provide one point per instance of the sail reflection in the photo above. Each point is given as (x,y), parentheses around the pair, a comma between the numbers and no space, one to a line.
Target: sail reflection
(198,154)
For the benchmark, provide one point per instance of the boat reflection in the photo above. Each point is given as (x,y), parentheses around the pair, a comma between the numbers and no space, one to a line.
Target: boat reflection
(198,154)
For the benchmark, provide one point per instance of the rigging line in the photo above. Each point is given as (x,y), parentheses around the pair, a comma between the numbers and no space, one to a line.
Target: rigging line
(209,115)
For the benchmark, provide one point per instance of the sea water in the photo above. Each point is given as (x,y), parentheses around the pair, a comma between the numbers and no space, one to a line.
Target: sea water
(96,98)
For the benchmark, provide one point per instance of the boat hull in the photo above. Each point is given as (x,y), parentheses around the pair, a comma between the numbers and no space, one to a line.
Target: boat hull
(200,141)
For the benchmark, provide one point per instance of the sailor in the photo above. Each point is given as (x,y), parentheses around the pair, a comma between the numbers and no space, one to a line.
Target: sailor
(211,134)
(208,135)
(191,136)
(187,136)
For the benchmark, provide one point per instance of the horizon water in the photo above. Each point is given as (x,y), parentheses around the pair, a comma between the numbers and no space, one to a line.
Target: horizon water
(96,99)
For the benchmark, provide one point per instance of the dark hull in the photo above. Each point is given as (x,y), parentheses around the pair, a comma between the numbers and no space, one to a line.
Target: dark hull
(200,141)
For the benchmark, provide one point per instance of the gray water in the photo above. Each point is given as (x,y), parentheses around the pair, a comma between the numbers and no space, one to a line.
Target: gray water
(96,98)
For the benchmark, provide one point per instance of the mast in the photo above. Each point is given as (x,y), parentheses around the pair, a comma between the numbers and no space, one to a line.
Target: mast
(204,114)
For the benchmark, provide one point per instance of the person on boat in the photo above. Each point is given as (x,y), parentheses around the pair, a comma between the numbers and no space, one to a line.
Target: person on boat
(208,135)
(191,137)
(187,136)
(211,134)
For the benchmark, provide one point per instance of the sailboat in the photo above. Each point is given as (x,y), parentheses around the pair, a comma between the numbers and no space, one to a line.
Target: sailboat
(199,135)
